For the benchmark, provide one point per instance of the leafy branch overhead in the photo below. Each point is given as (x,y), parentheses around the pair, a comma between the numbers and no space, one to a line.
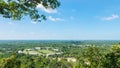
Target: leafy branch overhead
(16,9)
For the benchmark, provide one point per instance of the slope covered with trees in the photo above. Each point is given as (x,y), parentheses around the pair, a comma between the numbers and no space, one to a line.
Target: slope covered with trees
(74,55)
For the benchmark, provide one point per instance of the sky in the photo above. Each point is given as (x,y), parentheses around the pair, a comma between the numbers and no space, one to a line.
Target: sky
(73,20)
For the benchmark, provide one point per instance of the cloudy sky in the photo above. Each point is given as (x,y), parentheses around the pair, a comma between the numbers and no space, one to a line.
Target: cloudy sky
(73,20)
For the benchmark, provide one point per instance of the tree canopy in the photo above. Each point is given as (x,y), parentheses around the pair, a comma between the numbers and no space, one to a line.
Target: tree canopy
(16,9)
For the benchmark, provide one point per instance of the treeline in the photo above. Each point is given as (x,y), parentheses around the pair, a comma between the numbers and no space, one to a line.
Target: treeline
(86,57)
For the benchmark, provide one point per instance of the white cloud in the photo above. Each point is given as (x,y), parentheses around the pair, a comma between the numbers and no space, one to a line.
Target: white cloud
(112,17)
(48,10)
(33,22)
(55,19)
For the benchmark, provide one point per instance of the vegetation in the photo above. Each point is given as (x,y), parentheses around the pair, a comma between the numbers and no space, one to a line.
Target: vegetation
(16,9)
(73,54)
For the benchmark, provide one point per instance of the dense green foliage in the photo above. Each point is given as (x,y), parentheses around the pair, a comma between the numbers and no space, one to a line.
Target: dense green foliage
(16,9)
(86,55)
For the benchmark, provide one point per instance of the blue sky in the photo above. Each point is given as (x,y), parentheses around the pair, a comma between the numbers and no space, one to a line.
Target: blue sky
(73,20)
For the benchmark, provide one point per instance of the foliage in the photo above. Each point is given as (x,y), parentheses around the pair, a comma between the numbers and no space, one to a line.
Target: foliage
(16,9)
(113,58)
(91,56)
(11,62)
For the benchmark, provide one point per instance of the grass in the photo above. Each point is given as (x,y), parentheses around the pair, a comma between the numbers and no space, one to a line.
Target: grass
(1,53)
(45,51)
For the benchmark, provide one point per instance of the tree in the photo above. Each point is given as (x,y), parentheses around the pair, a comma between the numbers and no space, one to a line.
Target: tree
(113,58)
(16,9)
(11,62)
(91,57)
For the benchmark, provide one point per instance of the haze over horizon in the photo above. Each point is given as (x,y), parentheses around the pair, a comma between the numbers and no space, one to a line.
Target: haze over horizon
(73,20)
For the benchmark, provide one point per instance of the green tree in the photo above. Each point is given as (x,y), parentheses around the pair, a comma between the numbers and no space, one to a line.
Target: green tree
(11,62)
(42,62)
(27,61)
(16,9)
(58,64)
(91,57)
(113,58)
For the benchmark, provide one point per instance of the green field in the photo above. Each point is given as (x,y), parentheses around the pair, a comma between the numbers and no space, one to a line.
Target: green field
(45,51)
(1,53)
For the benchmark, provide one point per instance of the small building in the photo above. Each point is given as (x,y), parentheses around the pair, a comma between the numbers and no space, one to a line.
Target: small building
(37,48)
(20,51)
(55,49)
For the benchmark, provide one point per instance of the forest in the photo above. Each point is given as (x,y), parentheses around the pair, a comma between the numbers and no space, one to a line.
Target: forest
(60,54)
